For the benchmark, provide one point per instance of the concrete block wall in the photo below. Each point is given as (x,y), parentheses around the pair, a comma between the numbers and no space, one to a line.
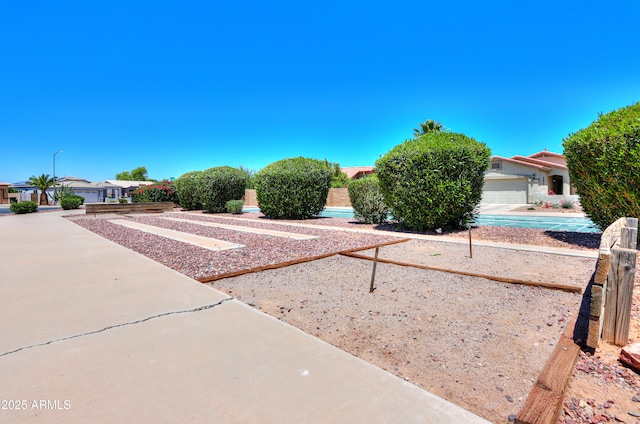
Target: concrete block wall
(336,197)
(540,197)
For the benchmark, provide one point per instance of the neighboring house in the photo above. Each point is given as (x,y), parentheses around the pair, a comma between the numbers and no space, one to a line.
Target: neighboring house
(526,179)
(356,172)
(126,187)
(91,192)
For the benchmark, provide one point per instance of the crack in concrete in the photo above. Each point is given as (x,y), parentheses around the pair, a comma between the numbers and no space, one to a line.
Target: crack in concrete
(89,333)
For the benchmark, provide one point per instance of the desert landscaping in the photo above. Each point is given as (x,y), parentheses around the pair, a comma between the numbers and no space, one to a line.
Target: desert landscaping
(438,318)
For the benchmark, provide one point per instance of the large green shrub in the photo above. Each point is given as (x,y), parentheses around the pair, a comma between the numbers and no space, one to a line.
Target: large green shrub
(162,191)
(294,188)
(216,186)
(367,201)
(71,202)
(23,207)
(604,165)
(434,180)
(186,186)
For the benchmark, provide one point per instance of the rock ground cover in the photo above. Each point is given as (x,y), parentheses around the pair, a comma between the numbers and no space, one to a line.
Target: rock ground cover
(600,384)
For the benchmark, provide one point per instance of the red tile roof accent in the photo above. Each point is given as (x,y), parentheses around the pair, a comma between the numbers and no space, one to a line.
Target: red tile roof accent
(540,162)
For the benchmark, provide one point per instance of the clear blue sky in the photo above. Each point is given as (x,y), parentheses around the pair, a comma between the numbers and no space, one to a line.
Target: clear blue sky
(179,86)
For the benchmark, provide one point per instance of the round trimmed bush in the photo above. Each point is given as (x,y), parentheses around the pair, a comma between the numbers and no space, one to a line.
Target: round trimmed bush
(216,186)
(434,180)
(604,165)
(71,202)
(235,206)
(367,200)
(23,207)
(186,186)
(294,188)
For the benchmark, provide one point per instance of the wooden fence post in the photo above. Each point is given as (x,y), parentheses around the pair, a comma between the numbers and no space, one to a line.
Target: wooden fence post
(629,234)
(623,268)
(619,293)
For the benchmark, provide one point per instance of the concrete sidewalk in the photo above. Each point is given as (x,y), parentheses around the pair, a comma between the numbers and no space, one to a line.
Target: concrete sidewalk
(93,332)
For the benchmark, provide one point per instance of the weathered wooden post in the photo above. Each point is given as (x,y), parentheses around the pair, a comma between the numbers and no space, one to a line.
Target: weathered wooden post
(373,273)
(619,291)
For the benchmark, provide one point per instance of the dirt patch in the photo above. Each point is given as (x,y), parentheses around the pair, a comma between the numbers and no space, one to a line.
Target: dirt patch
(526,266)
(477,343)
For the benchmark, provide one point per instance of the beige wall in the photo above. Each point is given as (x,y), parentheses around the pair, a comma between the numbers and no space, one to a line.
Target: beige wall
(4,194)
(336,197)
(250,197)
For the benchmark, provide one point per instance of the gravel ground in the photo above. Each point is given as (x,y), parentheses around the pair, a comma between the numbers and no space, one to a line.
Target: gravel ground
(197,262)
(530,236)
(478,343)
(515,264)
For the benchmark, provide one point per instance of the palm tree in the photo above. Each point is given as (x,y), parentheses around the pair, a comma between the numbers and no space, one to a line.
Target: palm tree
(428,126)
(43,182)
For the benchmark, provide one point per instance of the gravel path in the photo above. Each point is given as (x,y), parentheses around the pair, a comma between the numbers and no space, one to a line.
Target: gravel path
(197,262)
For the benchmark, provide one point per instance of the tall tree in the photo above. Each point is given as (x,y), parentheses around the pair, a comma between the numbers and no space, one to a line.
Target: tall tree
(251,176)
(339,179)
(43,182)
(136,174)
(428,126)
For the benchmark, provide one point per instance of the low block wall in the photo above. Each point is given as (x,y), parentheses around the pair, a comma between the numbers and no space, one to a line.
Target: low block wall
(336,197)
(539,197)
(152,207)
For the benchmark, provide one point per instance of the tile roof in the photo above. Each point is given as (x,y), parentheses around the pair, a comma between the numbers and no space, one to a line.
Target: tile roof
(352,171)
(128,183)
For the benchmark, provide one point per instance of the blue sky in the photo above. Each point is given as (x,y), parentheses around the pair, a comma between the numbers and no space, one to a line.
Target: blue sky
(178,86)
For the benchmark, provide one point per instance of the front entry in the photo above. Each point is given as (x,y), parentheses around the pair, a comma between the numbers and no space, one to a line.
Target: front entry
(556,184)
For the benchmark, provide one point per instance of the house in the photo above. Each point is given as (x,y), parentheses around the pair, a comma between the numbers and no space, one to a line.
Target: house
(356,172)
(91,192)
(126,186)
(526,179)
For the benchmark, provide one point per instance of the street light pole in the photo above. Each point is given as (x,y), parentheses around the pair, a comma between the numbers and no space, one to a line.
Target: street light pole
(54,174)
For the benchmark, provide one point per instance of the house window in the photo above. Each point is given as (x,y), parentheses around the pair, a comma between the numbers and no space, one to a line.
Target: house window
(496,165)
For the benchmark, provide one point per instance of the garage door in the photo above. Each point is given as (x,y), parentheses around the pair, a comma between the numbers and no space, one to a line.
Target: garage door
(505,191)
(90,196)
